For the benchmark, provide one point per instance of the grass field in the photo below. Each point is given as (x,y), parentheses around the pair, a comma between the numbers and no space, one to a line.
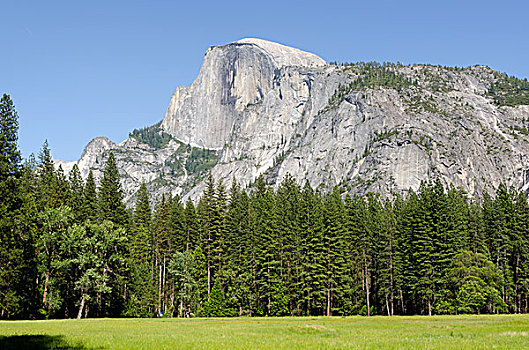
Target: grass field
(437,332)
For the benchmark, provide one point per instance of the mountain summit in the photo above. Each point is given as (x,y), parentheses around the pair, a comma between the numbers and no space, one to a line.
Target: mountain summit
(262,108)
(232,78)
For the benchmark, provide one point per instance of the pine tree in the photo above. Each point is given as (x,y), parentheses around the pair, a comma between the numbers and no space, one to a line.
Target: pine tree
(179,240)
(89,210)
(161,250)
(334,226)
(402,250)
(110,196)
(520,256)
(424,249)
(215,305)
(141,240)
(61,187)
(76,187)
(112,209)
(501,239)
(313,252)
(218,228)
(141,301)
(191,226)
(410,225)
(386,248)
(290,244)
(475,239)
(17,263)
(236,272)
(213,211)
(266,267)
(52,186)
(200,276)
(355,296)
(9,155)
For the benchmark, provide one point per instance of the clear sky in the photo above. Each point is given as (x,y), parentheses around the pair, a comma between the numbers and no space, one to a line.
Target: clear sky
(81,69)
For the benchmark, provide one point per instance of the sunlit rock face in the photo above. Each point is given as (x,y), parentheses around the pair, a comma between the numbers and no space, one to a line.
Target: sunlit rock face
(232,79)
(259,107)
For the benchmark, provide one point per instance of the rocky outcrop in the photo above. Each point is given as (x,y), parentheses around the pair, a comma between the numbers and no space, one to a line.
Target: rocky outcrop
(258,107)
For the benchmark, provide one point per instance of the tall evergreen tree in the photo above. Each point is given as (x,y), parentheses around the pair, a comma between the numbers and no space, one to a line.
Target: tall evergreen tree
(75,191)
(191,226)
(142,239)
(264,251)
(141,295)
(334,226)
(520,256)
(110,196)
(213,211)
(422,225)
(89,211)
(51,187)
(386,252)
(179,239)
(9,155)
(161,250)
(313,252)
(17,263)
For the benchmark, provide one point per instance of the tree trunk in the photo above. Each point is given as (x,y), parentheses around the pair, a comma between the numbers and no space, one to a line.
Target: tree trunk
(328,300)
(104,285)
(159,289)
(209,262)
(181,307)
(164,301)
(391,295)
(269,291)
(517,304)
(81,307)
(367,287)
(209,275)
(402,302)
(154,273)
(172,300)
(429,307)
(45,288)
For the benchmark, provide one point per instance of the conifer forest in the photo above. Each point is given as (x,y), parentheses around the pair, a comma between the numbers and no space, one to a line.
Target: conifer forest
(69,247)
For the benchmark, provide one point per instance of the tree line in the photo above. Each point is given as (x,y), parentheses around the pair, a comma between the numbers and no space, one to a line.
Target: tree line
(70,248)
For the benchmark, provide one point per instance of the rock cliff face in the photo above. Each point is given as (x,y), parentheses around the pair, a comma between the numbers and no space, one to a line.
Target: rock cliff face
(232,78)
(258,107)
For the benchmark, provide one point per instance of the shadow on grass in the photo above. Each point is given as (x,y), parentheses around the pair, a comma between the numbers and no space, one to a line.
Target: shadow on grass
(36,342)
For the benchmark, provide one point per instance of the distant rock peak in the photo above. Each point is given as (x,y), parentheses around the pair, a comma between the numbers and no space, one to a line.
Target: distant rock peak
(100,142)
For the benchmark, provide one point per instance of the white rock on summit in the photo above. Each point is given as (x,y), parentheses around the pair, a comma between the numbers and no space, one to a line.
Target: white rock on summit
(284,55)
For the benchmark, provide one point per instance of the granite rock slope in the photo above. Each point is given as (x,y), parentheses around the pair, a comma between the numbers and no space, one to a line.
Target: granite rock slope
(259,107)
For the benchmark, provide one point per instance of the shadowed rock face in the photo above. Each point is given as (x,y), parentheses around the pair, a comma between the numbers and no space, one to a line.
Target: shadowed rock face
(258,107)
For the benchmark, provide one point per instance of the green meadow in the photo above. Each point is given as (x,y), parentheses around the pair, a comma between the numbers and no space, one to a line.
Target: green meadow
(437,332)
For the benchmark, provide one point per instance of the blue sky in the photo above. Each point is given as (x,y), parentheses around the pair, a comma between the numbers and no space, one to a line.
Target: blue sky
(81,69)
